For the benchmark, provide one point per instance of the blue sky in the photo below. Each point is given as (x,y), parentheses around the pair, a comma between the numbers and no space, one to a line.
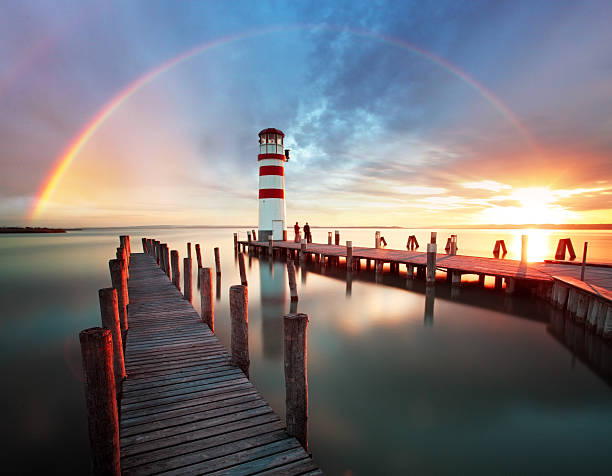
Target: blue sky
(379,133)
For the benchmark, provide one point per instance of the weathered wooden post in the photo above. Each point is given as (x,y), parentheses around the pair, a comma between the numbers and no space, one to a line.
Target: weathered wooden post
(189,250)
(271,247)
(453,245)
(249,238)
(109,311)
(187,292)
(217,261)
(243,278)
(166,259)
(176,272)
(101,400)
(434,237)
(206,298)
(329,237)
(239,301)
(349,255)
(524,239)
(254,235)
(303,250)
(337,237)
(584,255)
(119,282)
(121,254)
(431,263)
(296,379)
(292,282)
(198,255)
(144,246)
(377,240)
(235,243)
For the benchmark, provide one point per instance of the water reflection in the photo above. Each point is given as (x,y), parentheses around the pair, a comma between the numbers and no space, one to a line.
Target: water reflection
(430,297)
(273,299)
(587,347)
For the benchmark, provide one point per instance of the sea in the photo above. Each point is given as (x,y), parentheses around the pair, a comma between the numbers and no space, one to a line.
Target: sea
(400,380)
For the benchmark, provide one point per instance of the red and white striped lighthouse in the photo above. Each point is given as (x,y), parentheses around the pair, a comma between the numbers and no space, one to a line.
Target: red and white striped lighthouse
(271,160)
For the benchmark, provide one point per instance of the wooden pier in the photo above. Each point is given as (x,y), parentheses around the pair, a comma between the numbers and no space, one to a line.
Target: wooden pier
(588,301)
(184,408)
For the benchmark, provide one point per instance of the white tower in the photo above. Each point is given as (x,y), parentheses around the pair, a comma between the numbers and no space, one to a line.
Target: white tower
(271,185)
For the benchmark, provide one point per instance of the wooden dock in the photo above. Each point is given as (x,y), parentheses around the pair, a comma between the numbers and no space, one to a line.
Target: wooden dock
(588,301)
(184,409)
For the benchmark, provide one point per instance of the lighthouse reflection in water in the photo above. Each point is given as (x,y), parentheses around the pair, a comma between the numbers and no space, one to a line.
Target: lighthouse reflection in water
(273,306)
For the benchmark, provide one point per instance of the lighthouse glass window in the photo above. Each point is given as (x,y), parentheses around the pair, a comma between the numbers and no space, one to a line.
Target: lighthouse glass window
(271,144)
(279,144)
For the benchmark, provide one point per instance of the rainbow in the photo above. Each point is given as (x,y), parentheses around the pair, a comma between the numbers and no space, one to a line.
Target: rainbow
(63,162)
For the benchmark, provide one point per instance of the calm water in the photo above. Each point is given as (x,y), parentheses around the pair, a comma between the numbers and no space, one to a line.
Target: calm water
(400,381)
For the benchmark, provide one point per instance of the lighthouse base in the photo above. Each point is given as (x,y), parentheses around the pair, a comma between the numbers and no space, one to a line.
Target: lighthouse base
(264,235)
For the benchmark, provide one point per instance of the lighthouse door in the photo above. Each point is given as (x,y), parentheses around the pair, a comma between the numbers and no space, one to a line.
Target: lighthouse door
(277,230)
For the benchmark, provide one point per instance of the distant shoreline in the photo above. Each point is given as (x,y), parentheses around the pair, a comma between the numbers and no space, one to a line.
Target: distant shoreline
(28,229)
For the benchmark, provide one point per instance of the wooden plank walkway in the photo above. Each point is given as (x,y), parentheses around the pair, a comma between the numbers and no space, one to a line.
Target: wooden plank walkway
(504,268)
(184,409)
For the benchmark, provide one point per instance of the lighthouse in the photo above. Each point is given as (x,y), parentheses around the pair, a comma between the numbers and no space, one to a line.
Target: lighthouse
(271,158)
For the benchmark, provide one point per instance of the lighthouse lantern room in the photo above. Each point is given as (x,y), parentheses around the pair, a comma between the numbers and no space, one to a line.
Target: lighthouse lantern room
(271,158)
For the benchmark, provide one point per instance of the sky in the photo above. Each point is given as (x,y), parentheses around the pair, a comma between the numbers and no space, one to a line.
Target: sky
(396,113)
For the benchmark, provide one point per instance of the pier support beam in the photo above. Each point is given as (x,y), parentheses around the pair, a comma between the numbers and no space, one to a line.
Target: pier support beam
(292,283)
(176,273)
(431,262)
(100,396)
(217,261)
(349,255)
(240,327)
(119,282)
(456,278)
(188,291)
(510,285)
(109,311)
(243,278)
(206,298)
(296,380)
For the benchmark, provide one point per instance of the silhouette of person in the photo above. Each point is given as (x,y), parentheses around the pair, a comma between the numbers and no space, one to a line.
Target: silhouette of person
(307,234)
(296,228)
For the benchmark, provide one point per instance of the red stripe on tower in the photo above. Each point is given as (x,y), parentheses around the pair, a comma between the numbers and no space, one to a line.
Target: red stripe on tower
(271,193)
(271,170)
(271,156)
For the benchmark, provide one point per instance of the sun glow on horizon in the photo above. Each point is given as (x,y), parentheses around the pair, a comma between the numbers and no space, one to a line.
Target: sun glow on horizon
(536,205)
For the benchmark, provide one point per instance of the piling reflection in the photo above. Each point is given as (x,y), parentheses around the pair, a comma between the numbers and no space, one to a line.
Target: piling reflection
(430,297)
(591,349)
(273,302)
(218,290)
(349,282)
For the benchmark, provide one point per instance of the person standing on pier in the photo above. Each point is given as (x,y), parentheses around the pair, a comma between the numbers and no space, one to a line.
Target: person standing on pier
(296,228)
(307,234)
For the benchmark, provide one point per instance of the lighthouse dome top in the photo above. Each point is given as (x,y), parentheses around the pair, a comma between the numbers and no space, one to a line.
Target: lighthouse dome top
(271,130)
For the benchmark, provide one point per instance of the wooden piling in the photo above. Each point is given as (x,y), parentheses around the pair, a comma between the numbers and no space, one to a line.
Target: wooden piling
(337,237)
(165,258)
(296,380)
(119,282)
(243,278)
(235,243)
(217,261)
(292,282)
(434,237)
(249,237)
(377,239)
(329,237)
(455,278)
(188,250)
(349,255)
(144,246)
(176,272)
(239,301)
(206,298)
(100,397)
(431,263)
(109,312)
(198,255)
(584,255)
(187,292)
(524,239)
(254,235)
